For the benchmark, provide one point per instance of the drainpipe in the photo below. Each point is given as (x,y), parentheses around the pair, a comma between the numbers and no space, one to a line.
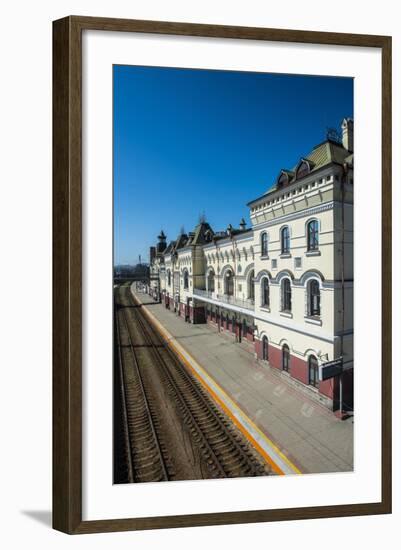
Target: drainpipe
(235,279)
(172,274)
(235,265)
(217,269)
(173,266)
(217,281)
(343,180)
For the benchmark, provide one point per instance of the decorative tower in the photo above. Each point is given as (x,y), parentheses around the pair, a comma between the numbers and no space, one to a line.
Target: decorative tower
(347,128)
(161,245)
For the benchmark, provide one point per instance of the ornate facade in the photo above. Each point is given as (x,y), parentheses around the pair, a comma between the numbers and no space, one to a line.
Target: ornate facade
(282,288)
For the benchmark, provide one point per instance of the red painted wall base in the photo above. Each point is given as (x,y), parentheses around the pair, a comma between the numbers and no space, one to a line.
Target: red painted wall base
(299,370)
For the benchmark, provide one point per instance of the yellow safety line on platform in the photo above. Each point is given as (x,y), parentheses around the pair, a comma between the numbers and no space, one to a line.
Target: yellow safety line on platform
(171,341)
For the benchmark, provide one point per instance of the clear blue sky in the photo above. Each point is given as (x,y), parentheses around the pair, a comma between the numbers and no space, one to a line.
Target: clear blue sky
(192,141)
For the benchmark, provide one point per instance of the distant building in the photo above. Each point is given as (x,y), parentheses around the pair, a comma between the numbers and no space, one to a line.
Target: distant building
(282,288)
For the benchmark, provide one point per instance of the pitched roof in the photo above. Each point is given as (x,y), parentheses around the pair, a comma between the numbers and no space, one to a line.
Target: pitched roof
(181,241)
(219,235)
(201,232)
(323,154)
(169,248)
(327,152)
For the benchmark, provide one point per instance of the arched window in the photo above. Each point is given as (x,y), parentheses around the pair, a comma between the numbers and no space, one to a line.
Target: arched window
(286,358)
(210,281)
(263,244)
(229,283)
(186,279)
(285,240)
(283,180)
(251,286)
(313,369)
(265,348)
(168,277)
(286,304)
(265,301)
(303,169)
(313,298)
(313,235)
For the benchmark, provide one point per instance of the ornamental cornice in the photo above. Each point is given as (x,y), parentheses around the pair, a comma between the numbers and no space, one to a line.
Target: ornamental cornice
(296,215)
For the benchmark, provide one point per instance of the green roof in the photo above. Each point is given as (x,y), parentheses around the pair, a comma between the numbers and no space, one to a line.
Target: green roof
(321,155)
(326,153)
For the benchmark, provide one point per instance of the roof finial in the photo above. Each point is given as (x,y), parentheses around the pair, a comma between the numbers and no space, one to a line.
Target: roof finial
(333,134)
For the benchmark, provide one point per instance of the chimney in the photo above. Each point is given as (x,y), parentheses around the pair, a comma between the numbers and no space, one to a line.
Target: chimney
(347,128)
(242,224)
(152,254)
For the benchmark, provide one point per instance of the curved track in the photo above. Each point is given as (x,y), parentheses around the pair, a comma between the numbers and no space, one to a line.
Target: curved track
(219,448)
(145,458)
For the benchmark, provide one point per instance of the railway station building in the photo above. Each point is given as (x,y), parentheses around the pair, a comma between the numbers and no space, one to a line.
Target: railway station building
(282,288)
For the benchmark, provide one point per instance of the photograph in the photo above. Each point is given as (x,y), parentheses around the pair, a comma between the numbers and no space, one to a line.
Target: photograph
(232,275)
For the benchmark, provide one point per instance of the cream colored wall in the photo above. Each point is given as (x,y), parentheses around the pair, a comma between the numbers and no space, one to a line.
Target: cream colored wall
(238,254)
(298,246)
(299,331)
(299,197)
(162,275)
(298,314)
(193,260)
(301,344)
(348,241)
(198,267)
(294,326)
(155,271)
(185,263)
(168,266)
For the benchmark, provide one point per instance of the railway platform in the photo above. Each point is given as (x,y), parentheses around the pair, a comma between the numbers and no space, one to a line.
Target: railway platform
(294,433)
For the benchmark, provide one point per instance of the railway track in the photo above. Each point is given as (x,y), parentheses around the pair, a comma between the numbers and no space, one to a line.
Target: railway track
(146,457)
(222,450)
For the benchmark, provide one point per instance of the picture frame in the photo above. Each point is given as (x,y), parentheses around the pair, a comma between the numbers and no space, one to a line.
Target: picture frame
(67,274)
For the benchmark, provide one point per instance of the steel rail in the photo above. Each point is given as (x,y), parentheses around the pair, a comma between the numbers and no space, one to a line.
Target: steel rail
(149,414)
(201,404)
(124,404)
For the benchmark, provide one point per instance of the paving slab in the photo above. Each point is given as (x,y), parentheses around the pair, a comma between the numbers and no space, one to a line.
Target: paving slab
(302,436)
